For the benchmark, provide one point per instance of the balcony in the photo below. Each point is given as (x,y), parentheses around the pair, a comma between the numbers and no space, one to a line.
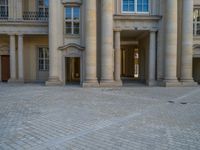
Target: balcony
(27,16)
(35,16)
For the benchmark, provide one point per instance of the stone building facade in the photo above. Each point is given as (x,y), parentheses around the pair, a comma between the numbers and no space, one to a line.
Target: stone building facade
(100,42)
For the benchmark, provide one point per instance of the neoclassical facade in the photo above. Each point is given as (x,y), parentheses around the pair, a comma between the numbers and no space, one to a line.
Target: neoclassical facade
(100,42)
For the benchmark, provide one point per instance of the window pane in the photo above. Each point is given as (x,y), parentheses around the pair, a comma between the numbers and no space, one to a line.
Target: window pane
(68,27)
(68,13)
(76,13)
(129,5)
(76,28)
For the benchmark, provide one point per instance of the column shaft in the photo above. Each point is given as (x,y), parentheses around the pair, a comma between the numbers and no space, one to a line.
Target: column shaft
(20,58)
(12,59)
(107,59)
(152,59)
(117,57)
(171,43)
(187,41)
(53,43)
(90,43)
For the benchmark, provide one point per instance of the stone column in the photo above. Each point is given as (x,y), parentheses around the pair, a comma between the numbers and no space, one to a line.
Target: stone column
(152,59)
(19,13)
(20,58)
(53,43)
(107,51)
(90,44)
(12,59)
(187,43)
(117,57)
(171,43)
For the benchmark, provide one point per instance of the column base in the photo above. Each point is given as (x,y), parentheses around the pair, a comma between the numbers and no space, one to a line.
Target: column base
(171,83)
(90,83)
(110,83)
(188,83)
(11,80)
(152,83)
(53,81)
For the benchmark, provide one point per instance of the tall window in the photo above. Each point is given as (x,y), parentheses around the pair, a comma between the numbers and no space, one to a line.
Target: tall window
(3,8)
(135,6)
(43,59)
(196,22)
(43,6)
(72,20)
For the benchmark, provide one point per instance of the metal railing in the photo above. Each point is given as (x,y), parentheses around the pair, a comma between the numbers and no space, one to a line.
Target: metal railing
(37,16)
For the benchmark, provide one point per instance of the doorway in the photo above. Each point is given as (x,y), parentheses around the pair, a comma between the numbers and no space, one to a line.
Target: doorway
(72,70)
(5,68)
(130,63)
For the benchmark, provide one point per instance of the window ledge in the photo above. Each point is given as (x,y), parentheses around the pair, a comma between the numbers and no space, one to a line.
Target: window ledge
(72,35)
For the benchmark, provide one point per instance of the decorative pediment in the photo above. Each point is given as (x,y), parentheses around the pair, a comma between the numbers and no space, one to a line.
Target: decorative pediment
(78,2)
(72,45)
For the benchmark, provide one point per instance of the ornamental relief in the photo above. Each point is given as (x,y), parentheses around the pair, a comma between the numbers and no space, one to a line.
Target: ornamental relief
(4,50)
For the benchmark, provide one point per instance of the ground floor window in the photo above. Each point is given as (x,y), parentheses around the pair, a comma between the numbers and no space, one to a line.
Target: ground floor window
(43,59)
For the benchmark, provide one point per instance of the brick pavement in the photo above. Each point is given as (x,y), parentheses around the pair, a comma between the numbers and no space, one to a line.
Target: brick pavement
(35,117)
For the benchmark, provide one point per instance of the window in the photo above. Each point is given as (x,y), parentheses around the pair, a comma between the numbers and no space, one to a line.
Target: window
(43,59)
(135,6)
(43,6)
(4,9)
(72,20)
(196,22)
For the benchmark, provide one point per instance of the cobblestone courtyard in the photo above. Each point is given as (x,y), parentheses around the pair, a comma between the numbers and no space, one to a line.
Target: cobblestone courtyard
(35,117)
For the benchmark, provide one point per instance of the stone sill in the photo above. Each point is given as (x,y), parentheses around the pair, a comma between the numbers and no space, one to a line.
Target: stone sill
(136,17)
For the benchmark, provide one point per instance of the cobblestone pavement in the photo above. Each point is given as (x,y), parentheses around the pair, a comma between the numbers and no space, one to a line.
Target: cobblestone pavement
(35,117)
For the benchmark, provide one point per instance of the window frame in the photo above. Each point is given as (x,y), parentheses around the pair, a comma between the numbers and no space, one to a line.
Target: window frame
(135,8)
(72,21)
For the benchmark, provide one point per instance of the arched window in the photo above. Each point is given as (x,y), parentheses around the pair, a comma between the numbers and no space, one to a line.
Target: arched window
(135,6)
(4,9)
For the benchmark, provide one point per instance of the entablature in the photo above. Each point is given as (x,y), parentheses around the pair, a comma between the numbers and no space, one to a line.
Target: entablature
(136,22)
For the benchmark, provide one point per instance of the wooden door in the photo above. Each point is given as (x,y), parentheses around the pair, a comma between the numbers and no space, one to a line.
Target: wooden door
(5,68)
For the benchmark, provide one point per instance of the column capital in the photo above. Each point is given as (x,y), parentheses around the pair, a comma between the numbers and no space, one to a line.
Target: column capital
(20,34)
(117,30)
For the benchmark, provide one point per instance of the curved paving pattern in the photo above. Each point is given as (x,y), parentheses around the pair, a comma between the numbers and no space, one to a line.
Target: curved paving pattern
(35,117)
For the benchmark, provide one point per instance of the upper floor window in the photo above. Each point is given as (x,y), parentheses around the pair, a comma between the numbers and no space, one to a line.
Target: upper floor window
(135,6)
(3,8)
(43,6)
(72,20)
(196,21)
